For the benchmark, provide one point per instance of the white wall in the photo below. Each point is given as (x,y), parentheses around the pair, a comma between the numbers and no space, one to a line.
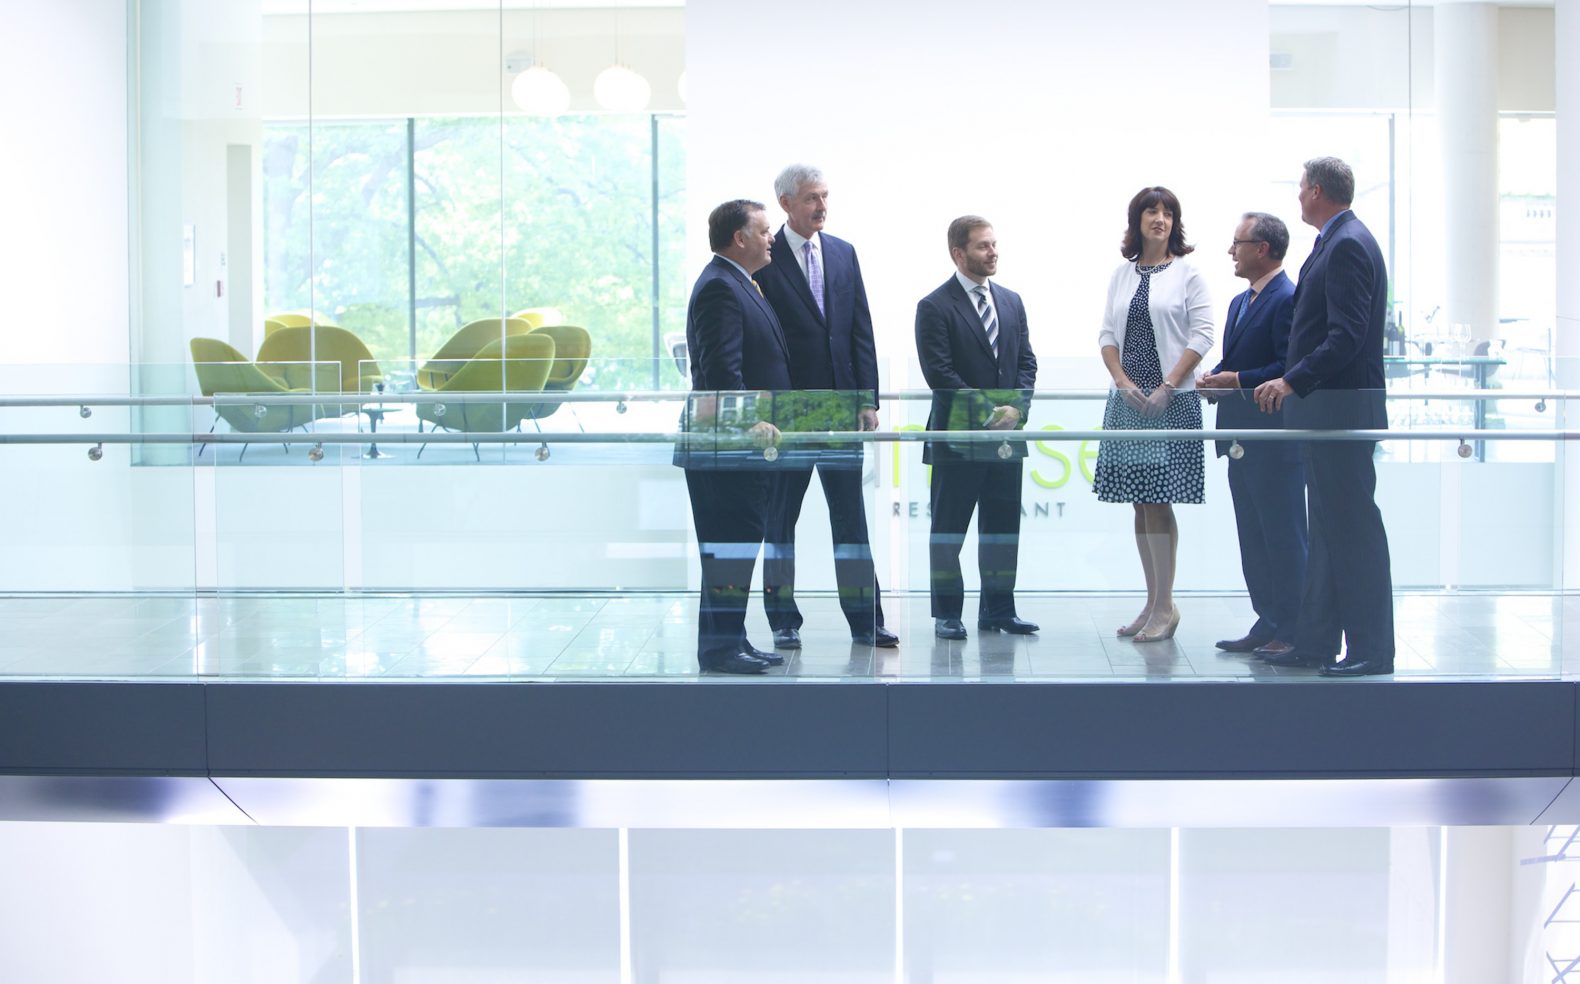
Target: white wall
(63,257)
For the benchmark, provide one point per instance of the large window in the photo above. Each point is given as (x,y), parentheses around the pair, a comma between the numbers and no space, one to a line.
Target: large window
(405,230)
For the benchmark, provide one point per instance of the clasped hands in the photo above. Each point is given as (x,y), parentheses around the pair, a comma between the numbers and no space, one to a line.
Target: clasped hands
(1147,404)
(1269,396)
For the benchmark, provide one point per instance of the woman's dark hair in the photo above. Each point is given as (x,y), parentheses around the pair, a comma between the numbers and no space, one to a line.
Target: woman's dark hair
(1130,249)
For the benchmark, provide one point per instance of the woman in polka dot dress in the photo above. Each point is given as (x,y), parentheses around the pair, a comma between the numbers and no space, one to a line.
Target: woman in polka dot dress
(1156,328)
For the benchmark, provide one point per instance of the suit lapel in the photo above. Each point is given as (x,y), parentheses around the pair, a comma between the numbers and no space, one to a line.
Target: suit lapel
(791,268)
(968,310)
(1238,312)
(755,296)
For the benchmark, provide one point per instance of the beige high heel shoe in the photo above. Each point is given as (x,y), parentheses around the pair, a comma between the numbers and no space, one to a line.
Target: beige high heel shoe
(1126,631)
(1167,632)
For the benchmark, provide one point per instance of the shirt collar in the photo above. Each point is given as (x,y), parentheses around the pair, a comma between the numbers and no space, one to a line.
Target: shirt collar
(734,264)
(1261,283)
(795,239)
(1323,233)
(970,285)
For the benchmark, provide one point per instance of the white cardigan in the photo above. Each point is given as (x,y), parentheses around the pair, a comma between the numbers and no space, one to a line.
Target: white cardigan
(1181,312)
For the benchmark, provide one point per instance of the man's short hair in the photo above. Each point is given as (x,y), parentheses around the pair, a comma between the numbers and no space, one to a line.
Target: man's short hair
(1334,177)
(793,178)
(1269,229)
(960,230)
(728,219)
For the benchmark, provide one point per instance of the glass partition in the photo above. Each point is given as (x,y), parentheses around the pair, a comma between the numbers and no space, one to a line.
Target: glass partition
(561,522)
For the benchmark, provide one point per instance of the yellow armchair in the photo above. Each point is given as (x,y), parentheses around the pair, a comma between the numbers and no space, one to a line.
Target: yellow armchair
(516,364)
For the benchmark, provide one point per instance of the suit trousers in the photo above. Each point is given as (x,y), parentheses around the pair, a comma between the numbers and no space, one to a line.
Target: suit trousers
(1349,586)
(992,490)
(854,573)
(1269,495)
(728,509)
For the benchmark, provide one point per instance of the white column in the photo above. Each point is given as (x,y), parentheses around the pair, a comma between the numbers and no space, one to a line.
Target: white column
(1477,884)
(1566,329)
(1465,69)
(1566,44)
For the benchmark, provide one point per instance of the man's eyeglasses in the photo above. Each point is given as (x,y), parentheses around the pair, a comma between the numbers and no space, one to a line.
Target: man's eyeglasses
(1242,242)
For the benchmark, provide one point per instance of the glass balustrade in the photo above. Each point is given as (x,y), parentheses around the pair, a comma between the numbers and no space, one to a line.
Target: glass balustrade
(464,521)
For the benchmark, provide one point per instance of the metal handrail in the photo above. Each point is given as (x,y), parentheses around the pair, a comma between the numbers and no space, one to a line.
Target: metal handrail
(631,396)
(708,439)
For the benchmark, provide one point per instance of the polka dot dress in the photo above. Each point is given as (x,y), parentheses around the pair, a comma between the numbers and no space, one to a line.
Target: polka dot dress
(1148,471)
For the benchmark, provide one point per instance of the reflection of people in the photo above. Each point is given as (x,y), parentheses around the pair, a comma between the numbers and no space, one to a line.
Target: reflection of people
(976,355)
(1336,371)
(735,344)
(813,283)
(1267,480)
(1156,328)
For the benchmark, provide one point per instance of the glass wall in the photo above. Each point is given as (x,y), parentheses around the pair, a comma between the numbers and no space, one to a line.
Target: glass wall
(987,906)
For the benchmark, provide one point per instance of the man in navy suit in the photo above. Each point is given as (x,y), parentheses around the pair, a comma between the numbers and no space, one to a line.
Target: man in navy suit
(813,283)
(738,362)
(1336,372)
(1267,479)
(975,350)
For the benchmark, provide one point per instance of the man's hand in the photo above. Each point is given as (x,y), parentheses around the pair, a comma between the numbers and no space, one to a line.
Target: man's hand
(1212,384)
(764,434)
(1270,395)
(867,419)
(1004,418)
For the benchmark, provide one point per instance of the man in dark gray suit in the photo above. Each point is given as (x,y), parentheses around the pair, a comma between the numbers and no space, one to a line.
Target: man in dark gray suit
(738,364)
(975,350)
(1336,374)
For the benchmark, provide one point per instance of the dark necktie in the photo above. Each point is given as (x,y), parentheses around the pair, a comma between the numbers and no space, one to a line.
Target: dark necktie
(989,319)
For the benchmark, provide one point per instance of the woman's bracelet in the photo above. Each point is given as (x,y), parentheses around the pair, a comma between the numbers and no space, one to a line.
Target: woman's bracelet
(1170,385)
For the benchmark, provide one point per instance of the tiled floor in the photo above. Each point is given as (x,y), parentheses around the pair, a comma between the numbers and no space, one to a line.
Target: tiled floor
(1515,636)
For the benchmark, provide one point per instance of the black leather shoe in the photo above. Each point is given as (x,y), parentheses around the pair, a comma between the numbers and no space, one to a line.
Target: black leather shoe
(948,628)
(1297,658)
(1274,648)
(772,659)
(1359,668)
(740,663)
(880,637)
(787,639)
(1012,625)
(1244,644)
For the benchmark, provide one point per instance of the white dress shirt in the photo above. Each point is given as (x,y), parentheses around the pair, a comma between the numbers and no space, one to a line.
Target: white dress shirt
(971,295)
(1180,307)
(797,249)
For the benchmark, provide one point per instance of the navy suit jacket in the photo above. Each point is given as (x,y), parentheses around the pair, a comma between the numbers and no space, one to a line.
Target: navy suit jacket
(1255,345)
(832,349)
(735,344)
(1336,338)
(955,356)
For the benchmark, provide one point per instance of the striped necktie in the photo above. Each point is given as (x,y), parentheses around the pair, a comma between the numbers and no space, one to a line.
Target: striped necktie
(989,319)
(814,275)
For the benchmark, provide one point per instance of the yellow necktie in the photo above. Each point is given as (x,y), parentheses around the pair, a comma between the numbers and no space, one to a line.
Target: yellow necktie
(759,289)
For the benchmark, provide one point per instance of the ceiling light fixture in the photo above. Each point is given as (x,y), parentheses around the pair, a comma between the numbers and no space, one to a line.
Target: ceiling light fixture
(619,88)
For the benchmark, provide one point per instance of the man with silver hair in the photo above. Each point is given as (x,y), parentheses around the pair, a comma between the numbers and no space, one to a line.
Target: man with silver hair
(814,285)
